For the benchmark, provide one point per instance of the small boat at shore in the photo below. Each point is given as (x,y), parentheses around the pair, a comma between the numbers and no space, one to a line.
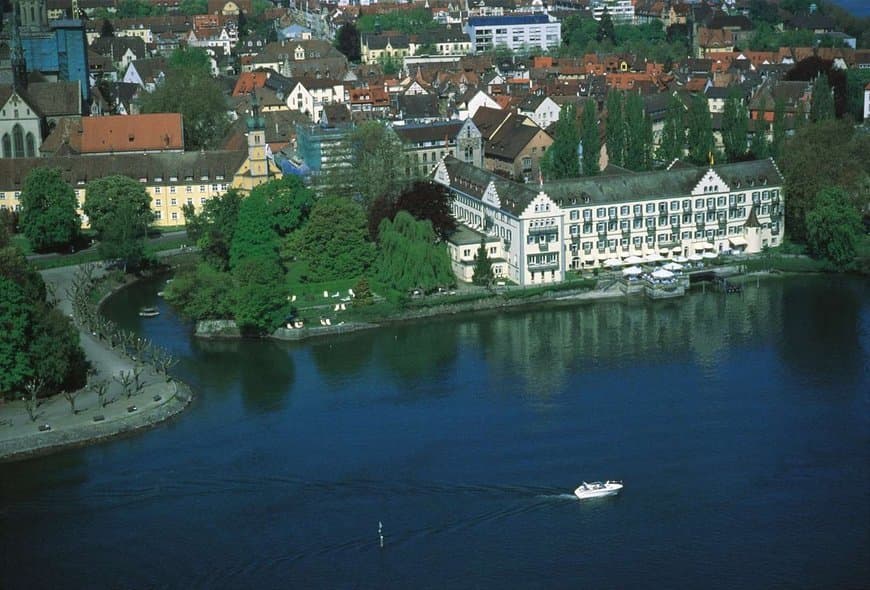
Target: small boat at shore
(149,312)
(596,489)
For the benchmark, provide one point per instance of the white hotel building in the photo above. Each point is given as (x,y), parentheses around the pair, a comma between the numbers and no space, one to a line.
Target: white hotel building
(530,31)
(545,230)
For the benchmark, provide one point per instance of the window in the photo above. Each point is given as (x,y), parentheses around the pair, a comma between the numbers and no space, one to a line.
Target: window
(600,212)
(575,215)
(188,189)
(172,189)
(650,207)
(699,203)
(7,146)
(18,141)
(173,201)
(158,203)
(675,205)
(611,211)
(202,200)
(637,210)
(687,204)
(174,216)
(158,190)
(624,210)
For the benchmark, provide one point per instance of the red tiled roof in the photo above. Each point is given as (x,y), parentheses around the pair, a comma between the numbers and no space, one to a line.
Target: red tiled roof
(132,133)
(248,81)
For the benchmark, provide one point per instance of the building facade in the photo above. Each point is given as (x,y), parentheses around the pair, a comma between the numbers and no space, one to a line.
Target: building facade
(517,32)
(548,229)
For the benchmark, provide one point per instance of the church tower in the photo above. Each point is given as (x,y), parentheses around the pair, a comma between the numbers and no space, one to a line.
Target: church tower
(33,15)
(256,125)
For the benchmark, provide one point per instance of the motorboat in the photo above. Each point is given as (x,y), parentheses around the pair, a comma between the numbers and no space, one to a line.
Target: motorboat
(149,312)
(597,489)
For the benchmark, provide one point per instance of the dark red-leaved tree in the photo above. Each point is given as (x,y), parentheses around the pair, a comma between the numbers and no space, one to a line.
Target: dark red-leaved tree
(429,200)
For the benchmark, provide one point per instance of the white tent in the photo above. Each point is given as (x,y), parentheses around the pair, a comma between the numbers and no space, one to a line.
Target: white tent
(695,257)
(631,271)
(633,259)
(680,259)
(610,262)
(672,266)
(653,257)
(703,246)
(709,255)
(661,274)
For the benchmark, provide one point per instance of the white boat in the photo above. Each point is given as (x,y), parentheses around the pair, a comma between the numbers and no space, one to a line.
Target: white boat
(596,489)
(149,312)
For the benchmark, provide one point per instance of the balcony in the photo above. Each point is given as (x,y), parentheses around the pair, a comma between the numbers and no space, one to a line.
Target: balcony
(545,229)
(543,246)
(554,265)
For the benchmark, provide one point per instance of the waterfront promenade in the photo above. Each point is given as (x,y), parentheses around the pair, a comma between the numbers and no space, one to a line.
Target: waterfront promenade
(56,426)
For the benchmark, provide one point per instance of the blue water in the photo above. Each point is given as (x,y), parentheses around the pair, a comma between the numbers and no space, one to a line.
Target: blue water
(738,423)
(856,7)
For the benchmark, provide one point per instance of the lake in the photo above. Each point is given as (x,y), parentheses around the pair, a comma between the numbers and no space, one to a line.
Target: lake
(739,424)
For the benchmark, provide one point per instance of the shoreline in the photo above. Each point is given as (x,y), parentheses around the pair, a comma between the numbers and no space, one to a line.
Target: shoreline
(225,329)
(159,398)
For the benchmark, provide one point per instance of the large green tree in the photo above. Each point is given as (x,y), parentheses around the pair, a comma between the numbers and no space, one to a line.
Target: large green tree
(409,256)
(334,242)
(255,236)
(213,228)
(673,138)
(615,131)
(48,210)
(37,342)
(605,30)
(590,139)
(203,293)
(638,147)
(735,126)
(822,105)
(561,160)
(189,89)
(819,156)
(119,210)
(834,227)
(377,161)
(289,202)
(699,133)
(259,301)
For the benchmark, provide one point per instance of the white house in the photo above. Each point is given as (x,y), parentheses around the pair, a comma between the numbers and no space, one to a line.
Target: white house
(472,100)
(309,96)
(543,110)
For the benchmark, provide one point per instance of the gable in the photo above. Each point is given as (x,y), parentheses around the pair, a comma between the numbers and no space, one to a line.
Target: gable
(490,196)
(710,183)
(542,206)
(14,102)
(441,176)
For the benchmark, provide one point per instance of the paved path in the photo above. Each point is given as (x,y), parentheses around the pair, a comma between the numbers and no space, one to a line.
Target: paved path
(158,400)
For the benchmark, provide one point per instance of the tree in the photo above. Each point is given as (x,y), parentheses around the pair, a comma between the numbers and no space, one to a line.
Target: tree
(822,106)
(561,160)
(377,161)
(203,293)
(759,148)
(778,127)
(347,41)
(735,126)
(334,242)
(834,227)
(48,210)
(699,131)
(673,136)
(14,317)
(260,302)
(107,30)
(637,145)
(189,89)
(119,210)
(856,81)
(289,202)
(615,131)
(409,257)
(605,30)
(427,200)
(819,156)
(192,7)
(590,139)
(255,236)
(482,267)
